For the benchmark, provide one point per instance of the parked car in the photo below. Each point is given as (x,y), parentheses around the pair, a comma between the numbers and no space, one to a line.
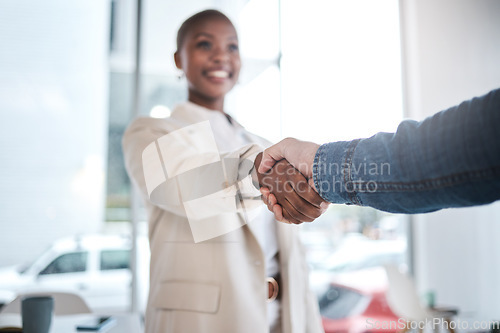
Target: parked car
(356,255)
(97,267)
(355,302)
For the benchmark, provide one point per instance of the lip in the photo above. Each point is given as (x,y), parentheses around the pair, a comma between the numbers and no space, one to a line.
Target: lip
(218,74)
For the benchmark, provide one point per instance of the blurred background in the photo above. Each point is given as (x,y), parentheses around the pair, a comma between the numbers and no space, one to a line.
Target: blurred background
(321,70)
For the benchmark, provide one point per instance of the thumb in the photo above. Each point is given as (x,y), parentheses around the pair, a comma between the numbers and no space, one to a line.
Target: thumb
(269,157)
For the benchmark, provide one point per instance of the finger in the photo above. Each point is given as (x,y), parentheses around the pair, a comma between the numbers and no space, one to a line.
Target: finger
(289,217)
(287,200)
(270,205)
(295,213)
(278,213)
(265,193)
(307,209)
(305,191)
(264,200)
(272,199)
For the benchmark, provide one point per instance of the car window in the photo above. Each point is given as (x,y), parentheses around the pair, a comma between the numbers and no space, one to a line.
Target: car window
(339,303)
(67,263)
(115,259)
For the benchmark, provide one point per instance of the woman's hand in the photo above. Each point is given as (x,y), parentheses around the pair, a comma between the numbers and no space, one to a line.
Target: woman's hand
(288,193)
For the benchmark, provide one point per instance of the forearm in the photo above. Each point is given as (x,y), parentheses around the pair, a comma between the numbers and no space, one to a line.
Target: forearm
(171,170)
(451,159)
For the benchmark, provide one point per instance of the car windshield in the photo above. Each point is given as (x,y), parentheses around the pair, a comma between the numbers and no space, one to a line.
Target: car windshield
(23,268)
(338,302)
(67,263)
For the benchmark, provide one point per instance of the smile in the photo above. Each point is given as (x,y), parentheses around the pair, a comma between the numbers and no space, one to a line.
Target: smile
(219,74)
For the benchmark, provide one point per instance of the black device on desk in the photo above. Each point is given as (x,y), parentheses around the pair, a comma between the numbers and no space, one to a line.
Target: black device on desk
(95,324)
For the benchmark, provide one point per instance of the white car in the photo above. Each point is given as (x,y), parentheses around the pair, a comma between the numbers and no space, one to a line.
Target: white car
(97,267)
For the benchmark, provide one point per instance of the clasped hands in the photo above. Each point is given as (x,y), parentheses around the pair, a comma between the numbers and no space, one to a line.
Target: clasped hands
(288,193)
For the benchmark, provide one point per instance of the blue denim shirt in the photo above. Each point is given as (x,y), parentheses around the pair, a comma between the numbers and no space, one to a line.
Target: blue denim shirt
(451,159)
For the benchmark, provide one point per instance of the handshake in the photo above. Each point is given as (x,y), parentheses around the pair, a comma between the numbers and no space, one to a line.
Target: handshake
(286,183)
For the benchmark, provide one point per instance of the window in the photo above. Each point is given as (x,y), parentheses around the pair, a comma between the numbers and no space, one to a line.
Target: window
(67,263)
(115,259)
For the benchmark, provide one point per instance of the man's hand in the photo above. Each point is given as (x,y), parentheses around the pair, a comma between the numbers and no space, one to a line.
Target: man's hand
(298,153)
(298,202)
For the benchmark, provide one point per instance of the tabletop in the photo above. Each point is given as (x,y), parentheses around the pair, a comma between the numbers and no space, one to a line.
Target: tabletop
(123,323)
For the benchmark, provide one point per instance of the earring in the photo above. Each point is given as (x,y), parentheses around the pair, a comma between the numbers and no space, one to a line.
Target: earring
(180,75)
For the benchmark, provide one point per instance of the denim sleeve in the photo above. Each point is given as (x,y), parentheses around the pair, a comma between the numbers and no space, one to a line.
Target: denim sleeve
(451,159)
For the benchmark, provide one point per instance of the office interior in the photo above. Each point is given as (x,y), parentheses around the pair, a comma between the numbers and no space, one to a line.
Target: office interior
(73,74)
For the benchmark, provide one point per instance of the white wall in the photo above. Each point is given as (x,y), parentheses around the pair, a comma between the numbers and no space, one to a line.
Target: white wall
(451,52)
(53,122)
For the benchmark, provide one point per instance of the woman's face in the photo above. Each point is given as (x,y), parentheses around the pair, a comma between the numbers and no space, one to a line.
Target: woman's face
(210,59)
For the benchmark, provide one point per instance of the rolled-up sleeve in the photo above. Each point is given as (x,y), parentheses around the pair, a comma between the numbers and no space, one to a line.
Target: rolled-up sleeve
(451,159)
(182,171)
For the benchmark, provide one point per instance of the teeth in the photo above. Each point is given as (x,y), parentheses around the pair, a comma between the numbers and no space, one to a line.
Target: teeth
(218,74)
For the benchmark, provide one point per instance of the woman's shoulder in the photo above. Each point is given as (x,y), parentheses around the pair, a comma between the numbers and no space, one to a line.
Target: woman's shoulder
(153,124)
(258,139)
(144,130)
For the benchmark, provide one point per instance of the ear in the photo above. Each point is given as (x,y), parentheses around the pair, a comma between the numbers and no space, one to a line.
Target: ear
(177,59)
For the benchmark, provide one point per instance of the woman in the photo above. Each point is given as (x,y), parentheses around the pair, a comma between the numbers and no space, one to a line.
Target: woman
(217,264)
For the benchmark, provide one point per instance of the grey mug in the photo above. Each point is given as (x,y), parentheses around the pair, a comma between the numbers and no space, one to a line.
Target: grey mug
(36,313)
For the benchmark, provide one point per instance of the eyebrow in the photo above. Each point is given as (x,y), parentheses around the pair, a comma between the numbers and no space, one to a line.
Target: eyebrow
(203,34)
(212,36)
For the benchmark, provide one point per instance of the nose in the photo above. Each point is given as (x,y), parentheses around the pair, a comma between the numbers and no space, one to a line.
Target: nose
(220,54)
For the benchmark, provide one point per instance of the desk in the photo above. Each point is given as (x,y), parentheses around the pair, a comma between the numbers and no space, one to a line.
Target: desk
(125,323)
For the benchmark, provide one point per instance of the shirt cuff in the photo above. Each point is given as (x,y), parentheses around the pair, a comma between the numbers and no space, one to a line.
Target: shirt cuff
(331,172)
(255,179)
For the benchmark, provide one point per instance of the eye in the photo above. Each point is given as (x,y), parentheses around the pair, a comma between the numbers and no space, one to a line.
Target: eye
(233,47)
(204,44)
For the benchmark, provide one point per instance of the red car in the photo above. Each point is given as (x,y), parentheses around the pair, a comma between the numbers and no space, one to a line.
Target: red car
(355,303)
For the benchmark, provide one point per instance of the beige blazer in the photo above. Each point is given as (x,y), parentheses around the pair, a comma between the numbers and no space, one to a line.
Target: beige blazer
(203,280)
